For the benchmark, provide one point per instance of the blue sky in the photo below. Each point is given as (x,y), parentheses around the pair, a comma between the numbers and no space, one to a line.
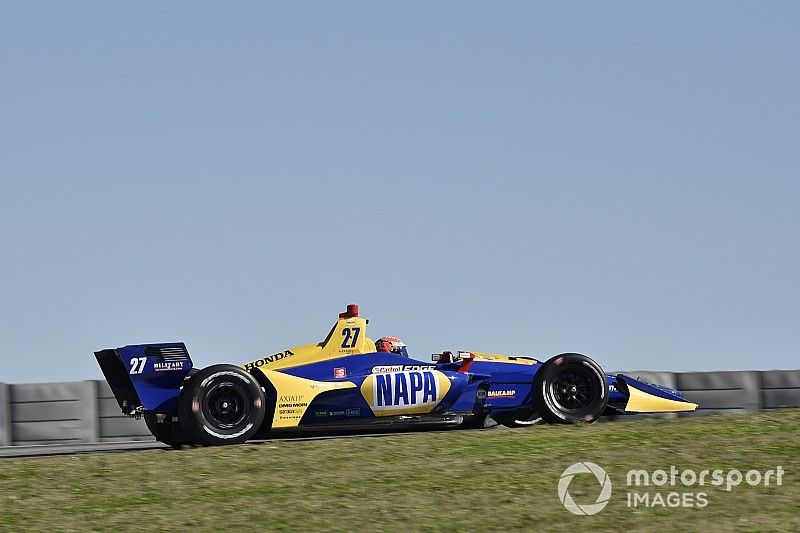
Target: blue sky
(616,178)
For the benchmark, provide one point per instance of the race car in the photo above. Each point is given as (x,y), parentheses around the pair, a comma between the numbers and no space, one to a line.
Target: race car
(345,382)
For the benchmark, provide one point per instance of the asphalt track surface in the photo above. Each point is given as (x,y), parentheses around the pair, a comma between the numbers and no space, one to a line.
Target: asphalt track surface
(51,450)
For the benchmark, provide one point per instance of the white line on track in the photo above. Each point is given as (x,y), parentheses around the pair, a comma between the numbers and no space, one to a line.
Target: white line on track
(51,450)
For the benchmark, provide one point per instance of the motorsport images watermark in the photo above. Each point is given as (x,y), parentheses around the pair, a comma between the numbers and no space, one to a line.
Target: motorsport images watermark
(660,488)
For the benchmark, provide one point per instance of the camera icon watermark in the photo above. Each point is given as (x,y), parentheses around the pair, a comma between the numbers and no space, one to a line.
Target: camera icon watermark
(662,488)
(584,467)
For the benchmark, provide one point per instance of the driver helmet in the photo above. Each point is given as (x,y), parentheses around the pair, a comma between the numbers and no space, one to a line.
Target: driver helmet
(391,345)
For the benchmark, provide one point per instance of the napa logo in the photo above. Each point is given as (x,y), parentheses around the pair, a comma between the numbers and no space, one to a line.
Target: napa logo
(401,388)
(409,392)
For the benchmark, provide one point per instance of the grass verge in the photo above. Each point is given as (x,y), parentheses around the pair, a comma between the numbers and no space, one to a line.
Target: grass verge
(497,479)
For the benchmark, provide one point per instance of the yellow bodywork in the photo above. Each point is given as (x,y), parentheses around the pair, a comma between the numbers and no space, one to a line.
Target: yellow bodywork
(497,358)
(348,337)
(295,394)
(642,402)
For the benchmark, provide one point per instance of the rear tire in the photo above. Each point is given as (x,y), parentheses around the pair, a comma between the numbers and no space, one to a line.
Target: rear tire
(221,404)
(570,387)
(168,432)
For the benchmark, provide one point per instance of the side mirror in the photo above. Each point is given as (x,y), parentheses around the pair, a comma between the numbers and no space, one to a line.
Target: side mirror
(444,357)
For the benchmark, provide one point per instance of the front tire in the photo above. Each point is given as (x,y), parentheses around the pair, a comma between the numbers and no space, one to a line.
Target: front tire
(570,387)
(221,404)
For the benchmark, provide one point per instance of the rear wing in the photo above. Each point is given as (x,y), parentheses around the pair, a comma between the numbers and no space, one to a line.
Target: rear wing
(146,377)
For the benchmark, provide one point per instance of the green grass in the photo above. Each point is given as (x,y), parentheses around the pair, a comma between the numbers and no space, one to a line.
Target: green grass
(492,479)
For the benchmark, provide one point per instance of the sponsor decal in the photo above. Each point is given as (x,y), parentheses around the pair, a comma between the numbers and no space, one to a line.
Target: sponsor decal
(291,404)
(406,391)
(339,372)
(400,368)
(509,393)
(354,411)
(167,366)
(291,401)
(405,388)
(268,359)
(290,398)
(300,404)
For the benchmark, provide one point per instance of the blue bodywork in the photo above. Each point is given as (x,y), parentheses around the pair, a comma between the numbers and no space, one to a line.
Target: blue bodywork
(146,376)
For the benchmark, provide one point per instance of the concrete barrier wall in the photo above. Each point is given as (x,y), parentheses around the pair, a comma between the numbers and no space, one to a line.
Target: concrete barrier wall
(86,411)
(5,416)
(113,425)
(780,388)
(51,413)
(721,392)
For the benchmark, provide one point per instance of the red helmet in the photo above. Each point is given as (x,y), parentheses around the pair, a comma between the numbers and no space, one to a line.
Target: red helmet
(392,345)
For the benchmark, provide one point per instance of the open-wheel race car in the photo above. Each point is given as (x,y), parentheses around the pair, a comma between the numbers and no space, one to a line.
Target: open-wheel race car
(345,382)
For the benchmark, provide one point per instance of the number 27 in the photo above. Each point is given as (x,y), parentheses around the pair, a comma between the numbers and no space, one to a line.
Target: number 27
(350,337)
(137,364)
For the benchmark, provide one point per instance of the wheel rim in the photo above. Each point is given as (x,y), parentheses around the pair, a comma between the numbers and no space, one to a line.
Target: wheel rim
(226,405)
(575,389)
